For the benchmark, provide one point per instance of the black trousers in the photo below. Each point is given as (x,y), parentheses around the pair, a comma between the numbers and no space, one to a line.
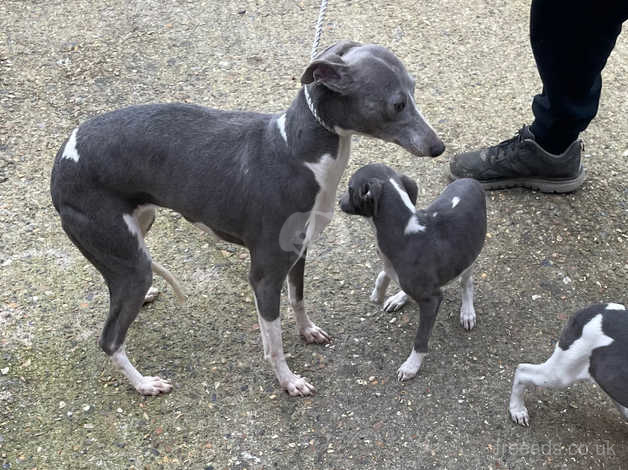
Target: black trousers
(571,41)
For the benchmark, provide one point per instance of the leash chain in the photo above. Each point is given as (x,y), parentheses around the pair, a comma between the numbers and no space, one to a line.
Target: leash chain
(317,40)
(319,28)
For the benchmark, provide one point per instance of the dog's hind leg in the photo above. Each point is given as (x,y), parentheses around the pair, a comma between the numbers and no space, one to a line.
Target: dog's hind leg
(467,312)
(267,275)
(429,309)
(111,239)
(308,330)
(145,216)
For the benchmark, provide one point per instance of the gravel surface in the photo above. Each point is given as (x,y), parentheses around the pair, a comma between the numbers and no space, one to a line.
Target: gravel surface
(62,404)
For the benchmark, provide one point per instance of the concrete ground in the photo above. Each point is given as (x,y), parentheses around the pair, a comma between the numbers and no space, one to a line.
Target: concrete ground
(62,404)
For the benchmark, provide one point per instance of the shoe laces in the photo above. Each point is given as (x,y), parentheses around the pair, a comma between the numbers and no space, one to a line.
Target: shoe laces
(504,148)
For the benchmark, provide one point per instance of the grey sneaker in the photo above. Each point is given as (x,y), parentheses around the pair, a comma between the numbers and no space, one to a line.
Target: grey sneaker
(520,161)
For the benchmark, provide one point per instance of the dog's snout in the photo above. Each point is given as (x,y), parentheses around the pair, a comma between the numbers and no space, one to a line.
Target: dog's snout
(437,149)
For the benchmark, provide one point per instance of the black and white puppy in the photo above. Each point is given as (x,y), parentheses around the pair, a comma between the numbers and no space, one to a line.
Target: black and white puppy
(264,181)
(593,347)
(422,250)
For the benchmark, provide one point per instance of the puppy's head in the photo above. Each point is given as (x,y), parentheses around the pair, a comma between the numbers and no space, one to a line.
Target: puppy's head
(367,185)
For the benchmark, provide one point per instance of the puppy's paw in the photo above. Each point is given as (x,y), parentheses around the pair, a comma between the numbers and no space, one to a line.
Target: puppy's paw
(153,386)
(297,386)
(407,372)
(313,334)
(467,318)
(376,297)
(520,416)
(151,295)
(395,302)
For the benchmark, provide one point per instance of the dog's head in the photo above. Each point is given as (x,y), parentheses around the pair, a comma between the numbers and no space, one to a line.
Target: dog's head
(373,95)
(367,185)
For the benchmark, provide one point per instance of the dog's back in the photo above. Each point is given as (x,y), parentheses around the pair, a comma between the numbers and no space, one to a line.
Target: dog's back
(608,346)
(455,229)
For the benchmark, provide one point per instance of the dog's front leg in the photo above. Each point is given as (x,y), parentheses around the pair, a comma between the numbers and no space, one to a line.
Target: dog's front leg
(310,332)
(429,309)
(267,290)
(467,312)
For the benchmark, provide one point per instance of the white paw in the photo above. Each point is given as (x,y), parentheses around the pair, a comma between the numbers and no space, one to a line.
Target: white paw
(151,295)
(407,371)
(467,318)
(313,334)
(520,416)
(153,386)
(296,386)
(395,302)
(376,297)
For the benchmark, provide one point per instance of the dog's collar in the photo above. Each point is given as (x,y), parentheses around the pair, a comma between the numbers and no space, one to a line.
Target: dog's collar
(312,108)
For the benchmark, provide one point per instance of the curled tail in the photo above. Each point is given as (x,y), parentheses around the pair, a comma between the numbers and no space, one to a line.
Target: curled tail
(170,279)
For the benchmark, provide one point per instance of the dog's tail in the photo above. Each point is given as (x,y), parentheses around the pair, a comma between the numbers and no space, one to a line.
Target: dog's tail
(170,279)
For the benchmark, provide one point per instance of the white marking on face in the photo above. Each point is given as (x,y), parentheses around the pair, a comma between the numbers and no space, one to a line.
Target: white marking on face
(434,214)
(403,195)
(70,152)
(613,306)
(281,124)
(414,226)
(327,172)
(454,202)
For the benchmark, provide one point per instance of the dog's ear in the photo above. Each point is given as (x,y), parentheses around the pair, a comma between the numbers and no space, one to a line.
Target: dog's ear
(331,72)
(329,69)
(369,197)
(411,188)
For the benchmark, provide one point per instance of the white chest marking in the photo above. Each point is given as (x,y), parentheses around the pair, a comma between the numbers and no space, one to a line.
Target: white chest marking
(454,202)
(403,195)
(70,150)
(413,225)
(613,306)
(281,125)
(327,172)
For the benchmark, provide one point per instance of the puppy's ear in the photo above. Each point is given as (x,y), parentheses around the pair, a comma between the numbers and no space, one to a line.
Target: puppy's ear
(329,69)
(369,197)
(411,188)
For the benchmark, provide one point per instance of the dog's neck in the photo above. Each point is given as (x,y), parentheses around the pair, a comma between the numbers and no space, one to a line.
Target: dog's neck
(306,137)
(312,106)
(392,218)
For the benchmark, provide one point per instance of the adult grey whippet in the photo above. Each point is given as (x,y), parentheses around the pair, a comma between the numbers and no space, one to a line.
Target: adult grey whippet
(240,175)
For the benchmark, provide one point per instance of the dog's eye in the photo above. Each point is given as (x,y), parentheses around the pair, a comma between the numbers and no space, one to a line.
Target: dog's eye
(400,106)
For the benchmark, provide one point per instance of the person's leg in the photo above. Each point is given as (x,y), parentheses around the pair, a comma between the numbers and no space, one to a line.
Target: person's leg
(571,41)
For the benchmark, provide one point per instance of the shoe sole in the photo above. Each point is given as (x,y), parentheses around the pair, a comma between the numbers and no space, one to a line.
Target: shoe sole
(559,185)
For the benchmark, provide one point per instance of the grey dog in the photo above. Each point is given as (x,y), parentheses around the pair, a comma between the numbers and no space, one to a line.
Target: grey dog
(239,175)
